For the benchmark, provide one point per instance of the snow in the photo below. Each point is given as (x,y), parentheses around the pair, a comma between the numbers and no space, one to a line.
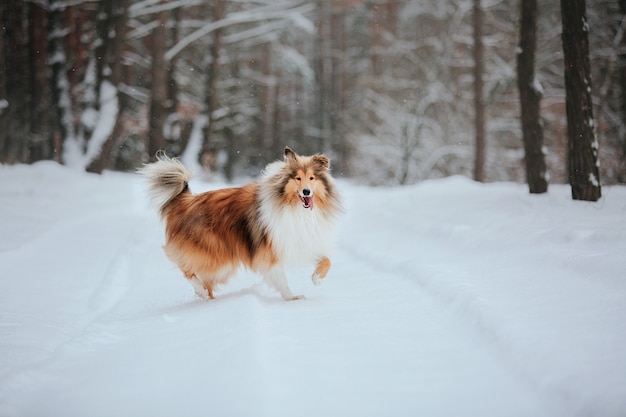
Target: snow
(102,122)
(445,298)
(190,157)
(293,61)
(274,10)
(303,23)
(105,121)
(538,87)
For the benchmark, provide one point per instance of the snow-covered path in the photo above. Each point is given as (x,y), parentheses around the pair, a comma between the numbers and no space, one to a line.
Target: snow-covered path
(446,298)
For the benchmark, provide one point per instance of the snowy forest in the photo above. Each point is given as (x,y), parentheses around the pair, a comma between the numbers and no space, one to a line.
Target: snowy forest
(387,88)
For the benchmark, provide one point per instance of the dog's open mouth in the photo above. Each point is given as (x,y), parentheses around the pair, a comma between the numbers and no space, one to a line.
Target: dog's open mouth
(307,202)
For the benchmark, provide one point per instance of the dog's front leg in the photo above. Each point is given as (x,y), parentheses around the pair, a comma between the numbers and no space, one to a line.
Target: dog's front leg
(277,279)
(323,265)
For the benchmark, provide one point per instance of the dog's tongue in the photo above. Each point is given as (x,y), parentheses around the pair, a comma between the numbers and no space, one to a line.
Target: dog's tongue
(308,202)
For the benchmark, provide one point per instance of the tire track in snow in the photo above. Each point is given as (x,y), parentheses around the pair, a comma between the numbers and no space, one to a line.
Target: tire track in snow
(459,298)
(67,281)
(469,307)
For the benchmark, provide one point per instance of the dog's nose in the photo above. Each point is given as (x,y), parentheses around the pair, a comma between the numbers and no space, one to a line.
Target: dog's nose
(306,192)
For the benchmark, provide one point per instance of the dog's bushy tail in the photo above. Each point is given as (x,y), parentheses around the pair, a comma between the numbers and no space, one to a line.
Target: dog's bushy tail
(167,178)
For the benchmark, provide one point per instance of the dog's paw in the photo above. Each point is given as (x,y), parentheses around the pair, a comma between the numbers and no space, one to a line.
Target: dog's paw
(291,297)
(203,294)
(317,280)
(199,289)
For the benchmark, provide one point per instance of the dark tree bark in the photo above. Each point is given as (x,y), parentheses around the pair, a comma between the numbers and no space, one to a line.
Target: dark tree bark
(25,118)
(339,84)
(208,154)
(232,143)
(584,174)
(15,112)
(276,118)
(116,23)
(61,111)
(323,67)
(4,103)
(622,83)
(76,41)
(479,105)
(172,85)
(268,101)
(102,50)
(158,99)
(530,99)
(41,123)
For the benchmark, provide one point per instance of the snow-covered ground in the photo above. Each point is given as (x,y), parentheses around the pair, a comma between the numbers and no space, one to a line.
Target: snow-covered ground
(447,298)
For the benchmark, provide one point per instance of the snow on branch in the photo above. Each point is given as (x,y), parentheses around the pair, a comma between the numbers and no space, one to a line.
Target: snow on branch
(258,31)
(146,8)
(142,4)
(105,120)
(273,11)
(143,30)
(63,4)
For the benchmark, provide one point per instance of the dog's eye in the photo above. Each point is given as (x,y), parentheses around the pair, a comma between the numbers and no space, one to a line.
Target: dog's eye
(298,179)
(312,178)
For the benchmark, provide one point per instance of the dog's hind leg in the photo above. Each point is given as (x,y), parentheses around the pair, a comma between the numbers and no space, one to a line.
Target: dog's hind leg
(200,288)
(197,285)
(211,280)
(275,277)
(323,265)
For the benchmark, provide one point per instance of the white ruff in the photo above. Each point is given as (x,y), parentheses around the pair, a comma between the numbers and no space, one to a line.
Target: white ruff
(299,236)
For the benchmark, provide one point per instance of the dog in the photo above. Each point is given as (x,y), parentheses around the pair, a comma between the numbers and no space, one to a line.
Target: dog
(285,219)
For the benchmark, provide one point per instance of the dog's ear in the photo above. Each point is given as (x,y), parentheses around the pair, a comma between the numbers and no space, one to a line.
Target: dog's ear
(290,155)
(322,161)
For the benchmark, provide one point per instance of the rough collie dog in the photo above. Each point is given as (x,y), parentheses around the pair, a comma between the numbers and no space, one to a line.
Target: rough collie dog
(284,219)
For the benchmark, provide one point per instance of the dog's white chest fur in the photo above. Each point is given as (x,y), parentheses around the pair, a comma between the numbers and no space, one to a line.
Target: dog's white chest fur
(299,236)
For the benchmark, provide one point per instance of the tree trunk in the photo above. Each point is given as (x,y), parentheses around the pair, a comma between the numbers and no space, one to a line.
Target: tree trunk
(102,50)
(584,174)
(376,47)
(117,23)
(4,103)
(231,141)
(61,108)
(530,98)
(323,67)
(14,119)
(40,123)
(208,154)
(622,83)
(172,85)
(158,99)
(268,104)
(479,105)
(338,85)
(276,118)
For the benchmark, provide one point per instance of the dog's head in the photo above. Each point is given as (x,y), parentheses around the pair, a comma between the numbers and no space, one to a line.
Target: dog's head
(307,178)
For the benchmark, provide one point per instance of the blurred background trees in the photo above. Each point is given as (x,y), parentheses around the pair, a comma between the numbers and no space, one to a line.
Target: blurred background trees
(384,87)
